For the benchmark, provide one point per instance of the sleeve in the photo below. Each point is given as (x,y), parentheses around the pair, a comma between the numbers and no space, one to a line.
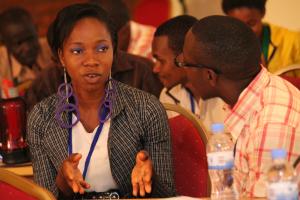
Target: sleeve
(43,170)
(158,143)
(264,138)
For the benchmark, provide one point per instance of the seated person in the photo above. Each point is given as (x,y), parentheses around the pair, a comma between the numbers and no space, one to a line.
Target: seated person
(23,54)
(280,47)
(221,56)
(133,37)
(166,45)
(90,136)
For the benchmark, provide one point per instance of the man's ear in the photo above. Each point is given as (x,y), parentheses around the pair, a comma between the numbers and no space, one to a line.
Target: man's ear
(212,77)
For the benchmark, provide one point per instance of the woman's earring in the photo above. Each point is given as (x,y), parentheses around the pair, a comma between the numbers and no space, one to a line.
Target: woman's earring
(106,105)
(65,91)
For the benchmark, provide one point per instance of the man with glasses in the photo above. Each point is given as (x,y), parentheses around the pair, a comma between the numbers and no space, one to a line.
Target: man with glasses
(221,56)
(168,43)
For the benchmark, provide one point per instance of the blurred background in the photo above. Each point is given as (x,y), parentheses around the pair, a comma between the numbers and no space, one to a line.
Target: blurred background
(153,12)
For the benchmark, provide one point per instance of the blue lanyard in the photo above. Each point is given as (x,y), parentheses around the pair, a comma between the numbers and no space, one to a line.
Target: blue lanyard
(192,102)
(93,145)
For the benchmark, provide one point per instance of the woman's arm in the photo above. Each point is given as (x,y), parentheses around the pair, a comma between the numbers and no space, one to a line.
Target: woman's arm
(43,170)
(157,142)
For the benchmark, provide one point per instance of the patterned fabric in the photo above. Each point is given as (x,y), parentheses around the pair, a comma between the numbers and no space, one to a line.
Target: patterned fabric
(141,37)
(138,122)
(266,116)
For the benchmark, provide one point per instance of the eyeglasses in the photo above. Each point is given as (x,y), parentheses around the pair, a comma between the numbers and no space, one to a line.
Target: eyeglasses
(184,64)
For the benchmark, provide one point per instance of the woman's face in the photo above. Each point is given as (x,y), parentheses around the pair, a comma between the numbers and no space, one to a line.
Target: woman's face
(87,54)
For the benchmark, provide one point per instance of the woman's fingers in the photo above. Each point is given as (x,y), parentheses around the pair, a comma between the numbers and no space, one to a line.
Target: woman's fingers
(142,188)
(135,186)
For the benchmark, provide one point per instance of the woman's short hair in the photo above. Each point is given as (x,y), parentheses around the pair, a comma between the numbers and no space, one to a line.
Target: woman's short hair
(60,29)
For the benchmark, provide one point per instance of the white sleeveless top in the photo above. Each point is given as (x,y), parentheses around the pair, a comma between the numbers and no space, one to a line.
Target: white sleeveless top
(98,174)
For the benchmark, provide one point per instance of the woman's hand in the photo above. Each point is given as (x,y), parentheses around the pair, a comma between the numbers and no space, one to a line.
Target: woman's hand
(141,176)
(69,179)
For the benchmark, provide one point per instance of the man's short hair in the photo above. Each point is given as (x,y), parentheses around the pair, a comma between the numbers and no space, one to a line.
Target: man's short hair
(228,5)
(175,29)
(228,46)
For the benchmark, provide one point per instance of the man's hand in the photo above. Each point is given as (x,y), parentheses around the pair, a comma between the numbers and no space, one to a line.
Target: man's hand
(71,175)
(141,176)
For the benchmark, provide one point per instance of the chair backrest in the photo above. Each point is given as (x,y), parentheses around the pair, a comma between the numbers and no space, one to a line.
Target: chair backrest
(296,165)
(288,69)
(189,139)
(13,186)
(293,80)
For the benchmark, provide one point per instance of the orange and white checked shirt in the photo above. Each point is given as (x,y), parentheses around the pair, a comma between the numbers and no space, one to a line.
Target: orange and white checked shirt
(266,116)
(141,39)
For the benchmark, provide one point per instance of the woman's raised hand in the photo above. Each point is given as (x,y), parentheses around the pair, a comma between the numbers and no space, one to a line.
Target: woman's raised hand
(69,178)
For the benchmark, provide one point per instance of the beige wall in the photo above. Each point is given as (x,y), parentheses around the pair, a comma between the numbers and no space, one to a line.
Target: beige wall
(284,12)
(281,12)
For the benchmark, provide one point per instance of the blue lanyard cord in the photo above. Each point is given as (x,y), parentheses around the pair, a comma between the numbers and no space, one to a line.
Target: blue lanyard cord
(192,102)
(93,145)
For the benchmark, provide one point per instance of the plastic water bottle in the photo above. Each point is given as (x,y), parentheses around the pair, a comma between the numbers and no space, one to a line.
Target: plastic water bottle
(220,164)
(282,179)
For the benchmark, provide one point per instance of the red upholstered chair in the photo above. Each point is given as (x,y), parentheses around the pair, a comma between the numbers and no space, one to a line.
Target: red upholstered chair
(13,187)
(293,80)
(289,73)
(189,139)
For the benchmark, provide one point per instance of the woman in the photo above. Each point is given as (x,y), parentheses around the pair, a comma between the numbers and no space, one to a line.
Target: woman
(106,122)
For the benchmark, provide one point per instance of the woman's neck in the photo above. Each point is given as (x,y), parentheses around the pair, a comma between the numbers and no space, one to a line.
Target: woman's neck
(89,99)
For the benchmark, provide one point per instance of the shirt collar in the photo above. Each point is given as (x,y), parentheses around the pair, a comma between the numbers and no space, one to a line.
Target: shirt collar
(247,103)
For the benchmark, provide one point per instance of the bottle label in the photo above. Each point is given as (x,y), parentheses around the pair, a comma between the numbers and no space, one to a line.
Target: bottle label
(283,191)
(220,160)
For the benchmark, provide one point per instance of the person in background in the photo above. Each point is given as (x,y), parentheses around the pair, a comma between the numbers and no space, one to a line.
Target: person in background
(89,140)
(134,38)
(167,44)
(221,56)
(280,47)
(23,55)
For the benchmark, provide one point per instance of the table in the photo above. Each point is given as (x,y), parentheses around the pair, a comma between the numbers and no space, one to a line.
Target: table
(24,169)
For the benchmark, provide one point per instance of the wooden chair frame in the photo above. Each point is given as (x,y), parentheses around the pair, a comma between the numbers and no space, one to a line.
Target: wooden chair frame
(196,122)
(25,185)
(287,69)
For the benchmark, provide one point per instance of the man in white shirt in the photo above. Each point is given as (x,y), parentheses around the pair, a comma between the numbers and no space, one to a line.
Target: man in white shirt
(167,44)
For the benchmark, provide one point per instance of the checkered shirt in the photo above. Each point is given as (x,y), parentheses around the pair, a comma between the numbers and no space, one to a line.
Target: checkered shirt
(266,116)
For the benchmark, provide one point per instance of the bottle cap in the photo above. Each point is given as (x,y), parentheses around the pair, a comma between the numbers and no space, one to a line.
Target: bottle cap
(217,128)
(278,153)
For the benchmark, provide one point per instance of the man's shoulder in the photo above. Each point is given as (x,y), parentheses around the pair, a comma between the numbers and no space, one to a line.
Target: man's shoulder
(280,101)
